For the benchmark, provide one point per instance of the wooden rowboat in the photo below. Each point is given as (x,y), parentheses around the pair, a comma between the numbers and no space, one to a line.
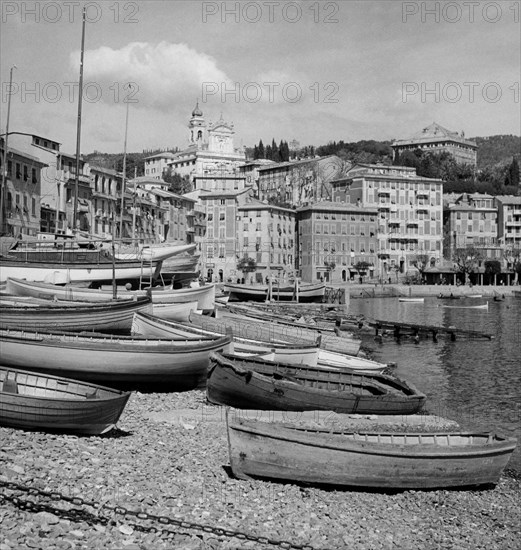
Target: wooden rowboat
(151,327)
(257,329)
(259,293)
(113,316)
(481,306)
(204,295)
(32,401)
(174,312)
(253,383)
(277,350)
(117,361)
(379,460)
(412,300)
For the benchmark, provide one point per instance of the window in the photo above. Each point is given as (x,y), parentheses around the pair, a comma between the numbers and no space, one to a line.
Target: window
(33,207)
(245,227)
(210,217)
(223,202)
(221,216)
(34,179)
(258,227)
(18,170)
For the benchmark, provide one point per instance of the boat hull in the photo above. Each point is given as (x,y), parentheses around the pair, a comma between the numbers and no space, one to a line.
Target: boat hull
(204,295)
(274,451)
(75,273)
(258,329)
(115,316)
(259,293)
(122,362)
(47,403)
(257,384)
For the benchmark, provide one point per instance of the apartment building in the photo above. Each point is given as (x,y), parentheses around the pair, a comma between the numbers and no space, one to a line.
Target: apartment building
(471,220)
(335,240)
(409,221)
(299,182)
(220,249)
(436,139)
(21,192)
(266,234)
(509,222)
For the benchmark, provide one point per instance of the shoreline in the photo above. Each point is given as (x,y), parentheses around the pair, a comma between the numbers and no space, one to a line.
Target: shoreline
(169,457)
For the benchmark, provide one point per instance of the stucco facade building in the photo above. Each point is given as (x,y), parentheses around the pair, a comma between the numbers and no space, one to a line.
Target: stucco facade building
(336,234)
(410,208)
(437,139)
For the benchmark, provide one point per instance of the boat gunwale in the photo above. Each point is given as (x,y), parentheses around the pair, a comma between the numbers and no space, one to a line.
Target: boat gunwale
(117,392)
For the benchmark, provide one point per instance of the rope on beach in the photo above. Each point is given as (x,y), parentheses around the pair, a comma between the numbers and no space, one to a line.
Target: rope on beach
(100,518)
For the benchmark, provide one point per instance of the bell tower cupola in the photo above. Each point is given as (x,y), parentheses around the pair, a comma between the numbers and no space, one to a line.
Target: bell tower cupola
(198,134)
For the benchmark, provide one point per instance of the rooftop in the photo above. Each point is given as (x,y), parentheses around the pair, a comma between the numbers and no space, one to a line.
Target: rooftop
(435,133)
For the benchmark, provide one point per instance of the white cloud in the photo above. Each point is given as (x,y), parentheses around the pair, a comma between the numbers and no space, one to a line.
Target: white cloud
(166,74)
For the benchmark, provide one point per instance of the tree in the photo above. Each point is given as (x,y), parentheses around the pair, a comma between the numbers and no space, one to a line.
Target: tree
(255,152)
(262,152)
(330,265)
(512,175)
(275,156)
(492,268)
(467,260)
(513,258)
(177,183)
(420,262)
(247,265)
(362,268)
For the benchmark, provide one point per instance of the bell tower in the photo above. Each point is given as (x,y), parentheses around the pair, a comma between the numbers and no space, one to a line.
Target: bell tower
(197,131)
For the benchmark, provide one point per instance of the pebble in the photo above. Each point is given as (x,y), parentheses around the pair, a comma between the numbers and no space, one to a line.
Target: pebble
(176,465)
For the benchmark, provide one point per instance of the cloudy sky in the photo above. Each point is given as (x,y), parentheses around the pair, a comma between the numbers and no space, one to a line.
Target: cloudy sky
(313,71)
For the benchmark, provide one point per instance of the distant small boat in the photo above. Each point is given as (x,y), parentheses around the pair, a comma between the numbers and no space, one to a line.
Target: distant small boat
(481,306)
(413,300)
(386,460)
(473,296)
(499,298)
(448,297)
(33,401)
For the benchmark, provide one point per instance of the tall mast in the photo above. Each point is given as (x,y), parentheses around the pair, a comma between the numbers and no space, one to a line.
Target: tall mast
(124,171)
(78,128)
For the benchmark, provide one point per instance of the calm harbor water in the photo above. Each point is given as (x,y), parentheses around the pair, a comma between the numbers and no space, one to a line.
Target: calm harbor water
(477,383)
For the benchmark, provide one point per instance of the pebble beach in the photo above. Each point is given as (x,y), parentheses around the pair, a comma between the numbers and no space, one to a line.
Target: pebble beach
(169,457)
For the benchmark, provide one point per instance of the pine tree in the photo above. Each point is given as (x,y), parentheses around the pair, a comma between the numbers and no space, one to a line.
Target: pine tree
(262,152)
(269,154)
(255,152)
(512,175)
(274,151)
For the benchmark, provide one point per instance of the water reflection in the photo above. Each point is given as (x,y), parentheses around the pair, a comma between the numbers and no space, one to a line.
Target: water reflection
(474,382)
